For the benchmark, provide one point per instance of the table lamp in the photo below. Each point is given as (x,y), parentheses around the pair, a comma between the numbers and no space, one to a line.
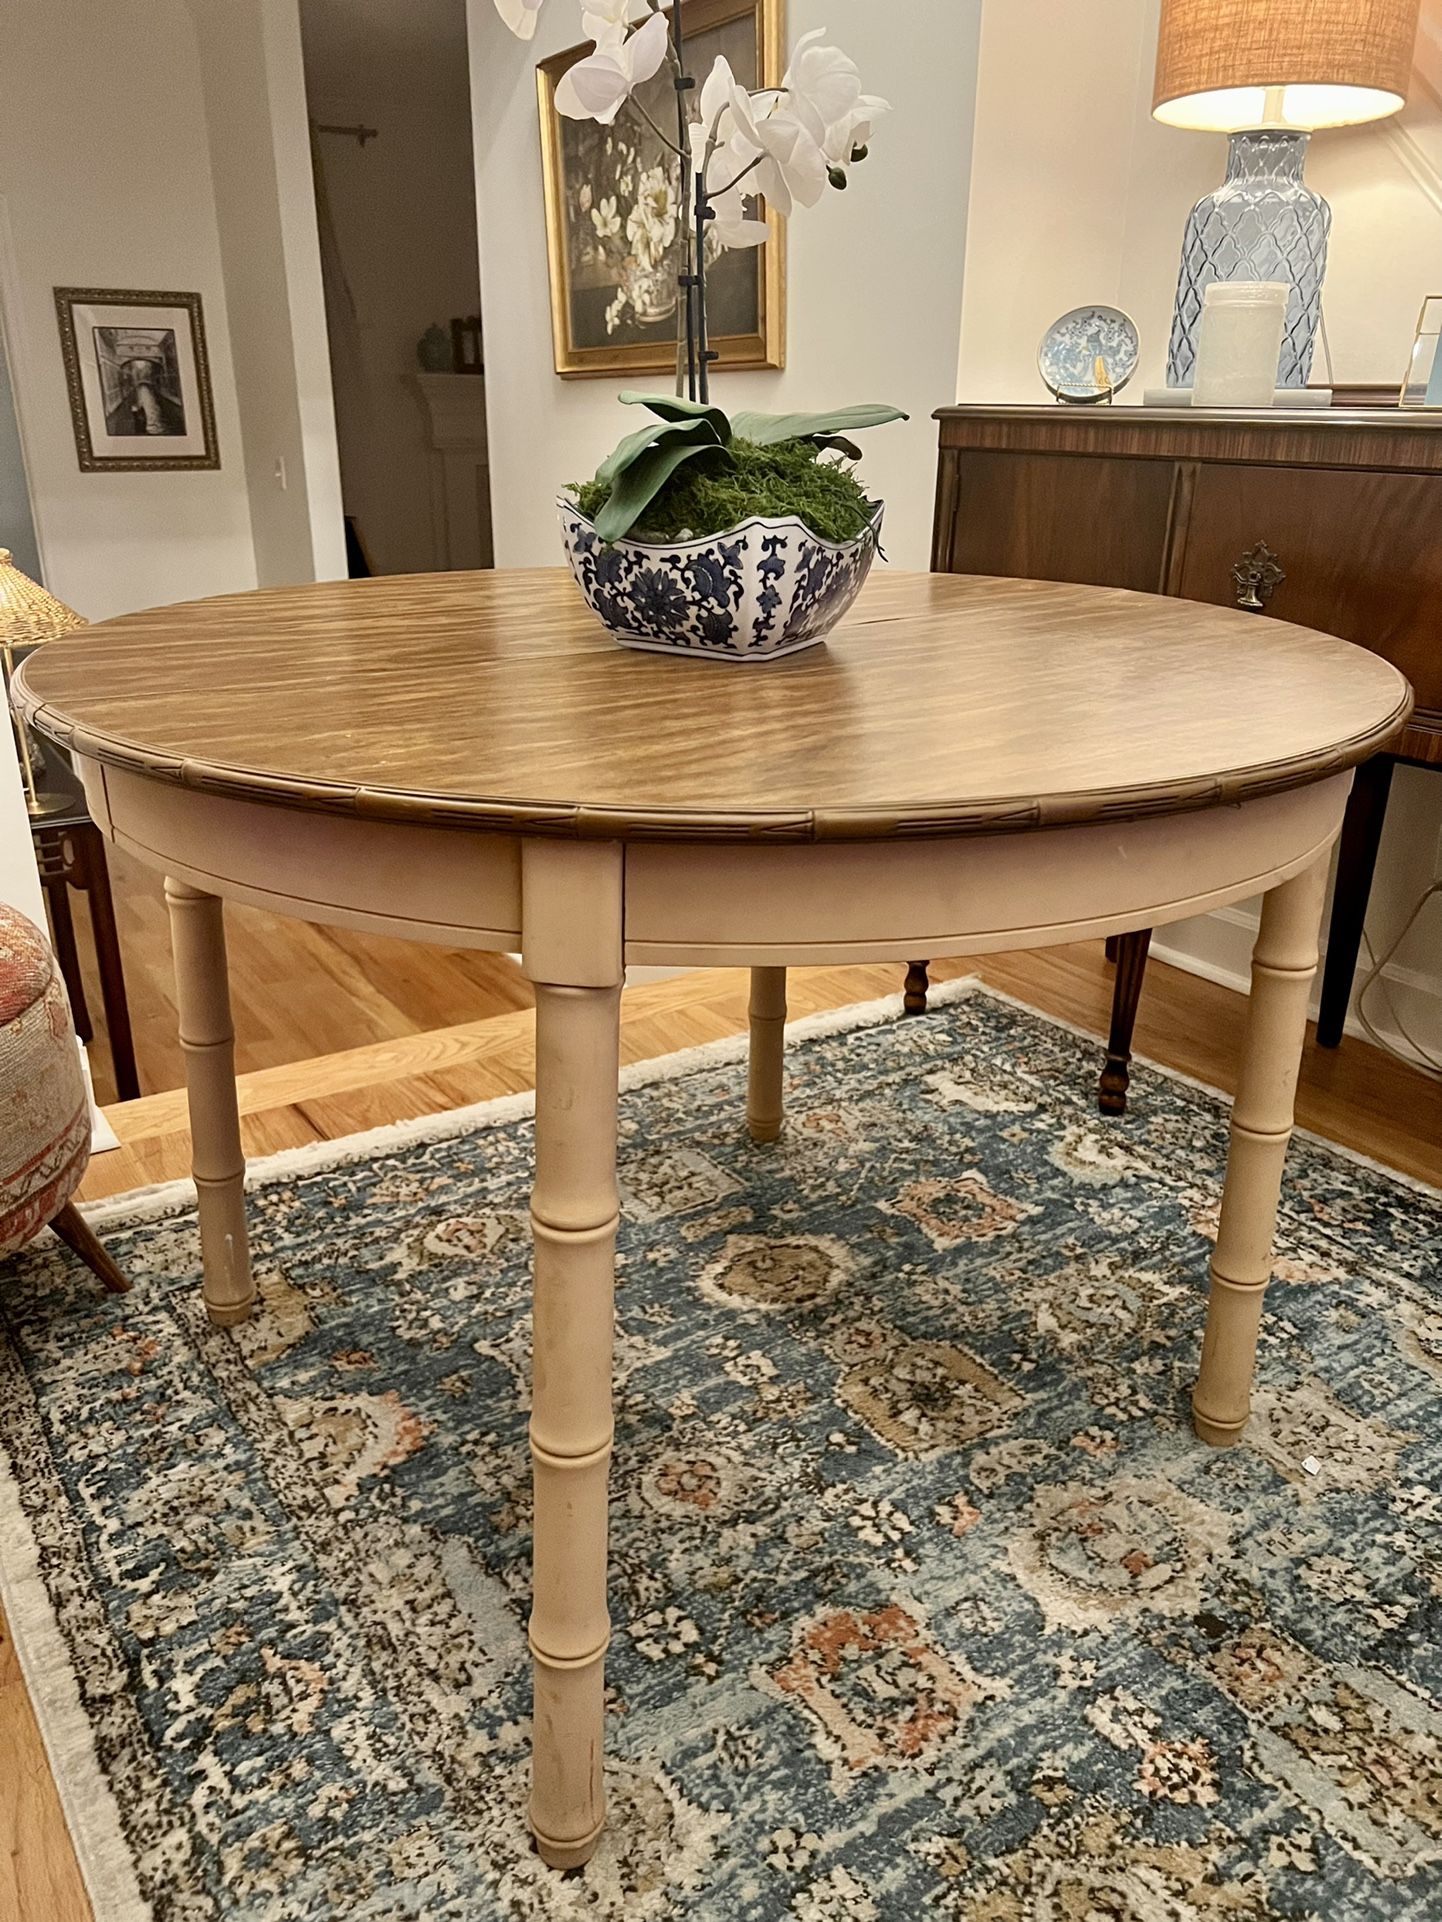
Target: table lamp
(27,615)
(1269,73)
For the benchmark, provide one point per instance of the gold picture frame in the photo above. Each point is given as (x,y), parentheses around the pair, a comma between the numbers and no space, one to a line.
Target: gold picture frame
(589,283)
(138,376)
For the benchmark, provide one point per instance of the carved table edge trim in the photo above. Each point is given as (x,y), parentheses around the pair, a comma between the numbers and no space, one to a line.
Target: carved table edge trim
(575,821)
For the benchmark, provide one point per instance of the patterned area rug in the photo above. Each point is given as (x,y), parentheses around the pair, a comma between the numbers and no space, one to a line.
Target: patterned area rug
(926,1601)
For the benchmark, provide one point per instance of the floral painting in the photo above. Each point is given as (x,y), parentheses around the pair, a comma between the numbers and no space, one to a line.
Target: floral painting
(616,226)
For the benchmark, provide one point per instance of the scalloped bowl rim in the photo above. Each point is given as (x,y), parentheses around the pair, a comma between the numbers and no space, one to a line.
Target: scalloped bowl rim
(568,504)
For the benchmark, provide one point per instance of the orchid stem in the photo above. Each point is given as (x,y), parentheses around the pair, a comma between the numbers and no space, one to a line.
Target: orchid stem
(692,293)
(664,139)
(742,175)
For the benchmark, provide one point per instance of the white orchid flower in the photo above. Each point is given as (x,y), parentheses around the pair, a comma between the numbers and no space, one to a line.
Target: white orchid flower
(776,139)
(854,130)
(727,110)
(733,225)
(520,16)
(823,79)
(597,87)
(606,217)
(792,168)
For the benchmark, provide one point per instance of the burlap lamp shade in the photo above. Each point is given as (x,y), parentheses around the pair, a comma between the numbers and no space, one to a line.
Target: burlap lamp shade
(1225,65)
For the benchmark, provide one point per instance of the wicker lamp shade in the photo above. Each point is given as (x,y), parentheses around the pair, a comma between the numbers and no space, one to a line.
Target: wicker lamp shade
(1229,65)
(27,612)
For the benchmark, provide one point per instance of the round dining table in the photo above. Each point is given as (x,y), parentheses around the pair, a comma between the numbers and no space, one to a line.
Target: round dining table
(968,765)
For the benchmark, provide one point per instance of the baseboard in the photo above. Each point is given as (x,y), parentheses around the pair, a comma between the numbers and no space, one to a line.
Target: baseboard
(1218,947)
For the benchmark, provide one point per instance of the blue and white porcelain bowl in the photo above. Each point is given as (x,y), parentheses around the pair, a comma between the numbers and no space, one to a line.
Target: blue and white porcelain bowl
(755,593)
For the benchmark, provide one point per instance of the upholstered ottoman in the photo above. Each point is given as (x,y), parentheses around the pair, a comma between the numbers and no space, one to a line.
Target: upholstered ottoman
(44,1112)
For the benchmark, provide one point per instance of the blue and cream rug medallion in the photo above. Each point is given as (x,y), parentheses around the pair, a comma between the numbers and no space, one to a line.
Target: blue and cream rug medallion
(926,1600)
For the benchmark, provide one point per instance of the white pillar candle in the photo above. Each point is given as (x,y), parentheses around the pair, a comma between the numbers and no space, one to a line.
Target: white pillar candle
(1240,343)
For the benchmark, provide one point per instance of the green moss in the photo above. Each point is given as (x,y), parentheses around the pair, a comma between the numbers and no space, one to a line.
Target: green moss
(717,491)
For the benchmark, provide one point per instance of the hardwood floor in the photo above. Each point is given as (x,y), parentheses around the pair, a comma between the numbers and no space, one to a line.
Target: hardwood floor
(338,1032)
(299,991)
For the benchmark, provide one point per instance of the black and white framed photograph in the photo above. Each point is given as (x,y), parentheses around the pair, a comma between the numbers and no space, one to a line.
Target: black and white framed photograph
(139,379)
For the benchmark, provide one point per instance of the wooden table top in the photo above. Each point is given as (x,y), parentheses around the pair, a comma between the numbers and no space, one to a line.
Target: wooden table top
(943,705)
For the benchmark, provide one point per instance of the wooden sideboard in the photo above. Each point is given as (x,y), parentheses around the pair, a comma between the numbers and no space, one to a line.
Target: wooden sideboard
(1330,517)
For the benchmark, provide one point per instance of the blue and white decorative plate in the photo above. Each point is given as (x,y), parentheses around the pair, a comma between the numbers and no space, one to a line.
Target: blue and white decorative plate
(1089,354)
(758,591)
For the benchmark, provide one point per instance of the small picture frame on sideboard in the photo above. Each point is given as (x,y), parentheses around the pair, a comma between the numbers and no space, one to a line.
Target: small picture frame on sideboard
(1422,383)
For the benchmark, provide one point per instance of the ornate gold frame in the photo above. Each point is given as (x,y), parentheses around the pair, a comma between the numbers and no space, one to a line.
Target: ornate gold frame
(66,300)
(766,347)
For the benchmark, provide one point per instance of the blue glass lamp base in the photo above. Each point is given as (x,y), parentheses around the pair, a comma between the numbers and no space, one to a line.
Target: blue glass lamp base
(1262,223)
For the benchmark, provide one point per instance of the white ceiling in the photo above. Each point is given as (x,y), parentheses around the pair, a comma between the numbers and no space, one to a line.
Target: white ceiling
(380,48)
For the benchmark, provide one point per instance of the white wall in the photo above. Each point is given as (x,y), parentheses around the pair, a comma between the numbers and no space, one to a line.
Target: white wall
(255,112)
(1047,232)
(105,180)
(874,274)
(1051,179)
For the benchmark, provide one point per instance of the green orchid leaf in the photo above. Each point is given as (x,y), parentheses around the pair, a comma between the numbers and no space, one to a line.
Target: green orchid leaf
(637,484)
(767,429)
(698,428)
(672,407)
(630,447)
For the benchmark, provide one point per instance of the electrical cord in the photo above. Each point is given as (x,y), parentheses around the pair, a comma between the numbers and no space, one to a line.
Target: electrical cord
(1420,1059)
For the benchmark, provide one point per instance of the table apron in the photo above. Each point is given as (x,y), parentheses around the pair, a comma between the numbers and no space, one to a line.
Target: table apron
(704,905)
(902,900)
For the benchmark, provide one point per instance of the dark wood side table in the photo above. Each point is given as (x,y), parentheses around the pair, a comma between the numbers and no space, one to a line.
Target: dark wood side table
(70,853)
(1331,518)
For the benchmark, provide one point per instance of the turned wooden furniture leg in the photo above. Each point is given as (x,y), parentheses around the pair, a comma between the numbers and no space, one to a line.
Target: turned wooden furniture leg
(1356,864)
(918,986)
(1283,964)
(77,1234)
(202,994)
(765,1105)
(1131,960)
(53,863)
(571,917)
(93,876)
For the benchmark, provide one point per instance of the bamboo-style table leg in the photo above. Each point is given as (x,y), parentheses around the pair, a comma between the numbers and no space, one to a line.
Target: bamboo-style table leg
(202,993)
(1283,964)
(765,1106)
(572,951)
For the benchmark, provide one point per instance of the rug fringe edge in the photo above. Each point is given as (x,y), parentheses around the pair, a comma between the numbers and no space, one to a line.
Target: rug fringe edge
(92,1818)
(152,1203)
(1340,1148)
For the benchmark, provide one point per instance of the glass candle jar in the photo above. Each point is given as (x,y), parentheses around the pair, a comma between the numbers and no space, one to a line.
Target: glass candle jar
(1240,343)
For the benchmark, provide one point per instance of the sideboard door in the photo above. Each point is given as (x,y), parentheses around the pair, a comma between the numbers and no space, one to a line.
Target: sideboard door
(1054,517)
(1361,552)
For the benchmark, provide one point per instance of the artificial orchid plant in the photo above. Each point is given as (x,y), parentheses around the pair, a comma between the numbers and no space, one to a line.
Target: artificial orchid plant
(785,145)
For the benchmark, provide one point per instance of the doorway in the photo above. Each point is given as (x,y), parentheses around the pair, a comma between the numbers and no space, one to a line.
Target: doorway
(388,92)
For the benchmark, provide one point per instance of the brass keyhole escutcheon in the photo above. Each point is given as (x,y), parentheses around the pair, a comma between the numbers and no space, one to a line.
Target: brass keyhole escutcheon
(1258,576)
